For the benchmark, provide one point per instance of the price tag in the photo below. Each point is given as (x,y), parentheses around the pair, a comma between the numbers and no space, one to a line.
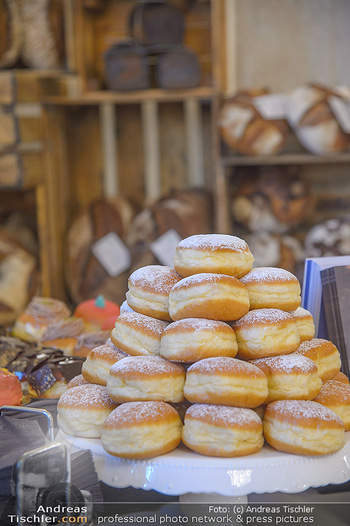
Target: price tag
(341,110)
(164,247)
(113,255)
(271,106)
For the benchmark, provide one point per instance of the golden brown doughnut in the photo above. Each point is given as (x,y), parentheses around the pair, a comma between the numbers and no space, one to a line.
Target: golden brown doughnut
(303,427)
(325,355)
(148,290)
(336,396)
(95,368)
(266,332)
(141,430)
(139,378)
(222,431)
(272,288)
(82,410)
(210,296)
(290,376)
(76,381)
(193,339)
(217,253)
(340,377)
(137,334)
(225,381)
(305,322)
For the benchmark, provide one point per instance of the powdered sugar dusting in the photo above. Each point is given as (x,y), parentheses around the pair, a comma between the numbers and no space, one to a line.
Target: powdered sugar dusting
(269,274)
(301,313)
(198,324)
(222,414)
(107,351)
(264,316)
(207,278)
(226,365)
(146,365)
(89,395)
(333,390)
(211,242)
(159,278)
(300,409)
(288,363)
(131,413)
(140,321)
(315,343)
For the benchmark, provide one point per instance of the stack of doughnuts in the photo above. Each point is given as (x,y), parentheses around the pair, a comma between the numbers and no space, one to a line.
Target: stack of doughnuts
(218,355)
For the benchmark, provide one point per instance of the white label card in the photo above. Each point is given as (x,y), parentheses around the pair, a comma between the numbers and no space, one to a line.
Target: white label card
(341,110)
(164,247)
(271,106)
(113,255)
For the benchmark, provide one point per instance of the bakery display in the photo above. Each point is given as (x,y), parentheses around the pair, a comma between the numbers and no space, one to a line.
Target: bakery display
(272,288)
(225,381)
(10,389)
(149,288)
(63,335)
(98,314)
(82,410)
(99,361)
(222,431)
(290,376)
(266,332)
(336,396)
(208,295)
(325,355)
(141,430)
(217,253)
(137,378)
(305,323)
(303,427)
(193,339)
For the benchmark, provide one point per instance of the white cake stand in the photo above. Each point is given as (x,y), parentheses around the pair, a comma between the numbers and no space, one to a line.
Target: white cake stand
(184,472)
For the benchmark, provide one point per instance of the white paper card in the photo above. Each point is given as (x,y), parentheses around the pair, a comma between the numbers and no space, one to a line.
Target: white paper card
(113,255)
(341,110)
(271,106)
(164,247)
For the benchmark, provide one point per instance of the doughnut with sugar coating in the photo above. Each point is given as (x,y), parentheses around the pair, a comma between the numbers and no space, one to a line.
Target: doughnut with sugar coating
(340,377)
(95,368)
(303,427)
(77,380)
(141,430)
(193,339)
(139,378)
(305,322)
(222,431)
(336,396)
(325,355)
(217,253)
(225,381)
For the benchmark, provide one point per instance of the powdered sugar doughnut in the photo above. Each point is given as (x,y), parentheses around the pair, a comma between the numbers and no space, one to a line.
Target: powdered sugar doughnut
(225,381)
(217,253)
(146,378)
(305,322)
(266,332)
(272,288)
(325,355)
(303,427)
(82,410)
(193,339)
(149,289)
(76,381)
(210,296)
(340,377)
(336,396)
(290,376)
(141,430)
(222,431)
(98,362)
(137,334)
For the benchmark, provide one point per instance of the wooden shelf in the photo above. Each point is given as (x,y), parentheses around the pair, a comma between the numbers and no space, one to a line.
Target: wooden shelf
(100,97)
(285,159)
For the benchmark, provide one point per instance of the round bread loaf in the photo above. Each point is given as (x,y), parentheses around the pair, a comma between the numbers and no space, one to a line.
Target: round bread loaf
(303,427)
(148,290)
(290,376)
(222,431)
(336,396)
(325,355)
(137,334)
(141,430)
(139,378)
(305,322)
(272,288)
(193,339)
(95,368)
(225,381)
(82,410)
(266,332)
(217,253)
(211,296)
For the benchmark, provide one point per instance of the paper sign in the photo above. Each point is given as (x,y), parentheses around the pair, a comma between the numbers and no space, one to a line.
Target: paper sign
(341,110)
(271,106)
(113,255)
(164,247)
